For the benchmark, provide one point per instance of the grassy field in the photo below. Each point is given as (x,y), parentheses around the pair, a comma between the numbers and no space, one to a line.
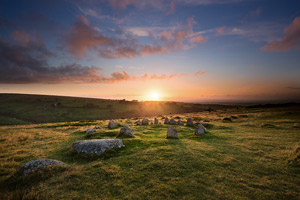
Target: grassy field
(253,157)
(24,109)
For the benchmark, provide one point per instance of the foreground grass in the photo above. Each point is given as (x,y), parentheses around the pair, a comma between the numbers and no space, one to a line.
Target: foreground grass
(243,159)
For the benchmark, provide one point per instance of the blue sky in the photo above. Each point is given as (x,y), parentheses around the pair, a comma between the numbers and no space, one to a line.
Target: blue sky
(236,49)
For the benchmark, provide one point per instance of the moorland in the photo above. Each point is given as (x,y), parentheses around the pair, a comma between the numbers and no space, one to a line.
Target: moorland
(254,155)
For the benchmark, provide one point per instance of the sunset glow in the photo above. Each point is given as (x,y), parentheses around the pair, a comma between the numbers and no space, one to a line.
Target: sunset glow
(154,96)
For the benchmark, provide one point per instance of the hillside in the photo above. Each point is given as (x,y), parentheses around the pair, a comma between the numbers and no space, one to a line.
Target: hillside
(28,109)
(255,156)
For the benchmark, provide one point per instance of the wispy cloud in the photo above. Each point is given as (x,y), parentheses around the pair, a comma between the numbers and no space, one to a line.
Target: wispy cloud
(256,12)
(90,12)
(220,30)
(197,39)
(208,2)
(255,31)
(290,39)
(83,37)
(160,4)
(141,4)
(172,8)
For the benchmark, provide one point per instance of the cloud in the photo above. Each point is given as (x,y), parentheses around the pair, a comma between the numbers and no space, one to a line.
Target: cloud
(256,12)
(141,4)
(139,31)
(198,39)
(90,12)
(118,76)
(119,66)
(175,39)
(290,39)
(208,2)
(122,4)
(20,36)
(220,30)
(25,63)
(172,8)
(83,38)
(159,4)
(256,31)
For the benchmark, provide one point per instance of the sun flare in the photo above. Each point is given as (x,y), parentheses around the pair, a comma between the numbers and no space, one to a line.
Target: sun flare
(154,96)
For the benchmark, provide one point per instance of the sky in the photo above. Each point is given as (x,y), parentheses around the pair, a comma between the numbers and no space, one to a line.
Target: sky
(174,50)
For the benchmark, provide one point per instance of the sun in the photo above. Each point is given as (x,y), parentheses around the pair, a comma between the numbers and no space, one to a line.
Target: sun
(154,96)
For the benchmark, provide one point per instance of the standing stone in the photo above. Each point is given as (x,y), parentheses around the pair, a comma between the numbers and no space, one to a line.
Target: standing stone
(138,122)
(126,131)
(167,121)
(90,131)
(155,121)
(189,122)
(172,132)
(111,124)
(172,122)
(34,165)
(96,146)
(180,123)
(145,122)
(200,130)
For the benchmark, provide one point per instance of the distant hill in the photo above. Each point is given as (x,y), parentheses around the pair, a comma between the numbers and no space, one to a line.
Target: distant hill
(27,109)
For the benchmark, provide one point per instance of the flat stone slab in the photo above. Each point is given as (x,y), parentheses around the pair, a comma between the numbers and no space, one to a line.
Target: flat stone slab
(34,165)
(97,146)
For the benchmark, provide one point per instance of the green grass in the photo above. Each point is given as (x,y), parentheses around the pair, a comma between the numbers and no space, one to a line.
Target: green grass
(252,157)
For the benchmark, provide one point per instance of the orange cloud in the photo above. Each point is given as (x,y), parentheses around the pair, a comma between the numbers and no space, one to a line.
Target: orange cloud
(290,39)
(84,37)
(174,39)
(122,4)
(118,76)
(220,30)
(21,36)
(198,39)
(172,8)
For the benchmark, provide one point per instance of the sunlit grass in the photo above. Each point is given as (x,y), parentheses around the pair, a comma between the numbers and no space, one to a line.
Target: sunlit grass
(238,160)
